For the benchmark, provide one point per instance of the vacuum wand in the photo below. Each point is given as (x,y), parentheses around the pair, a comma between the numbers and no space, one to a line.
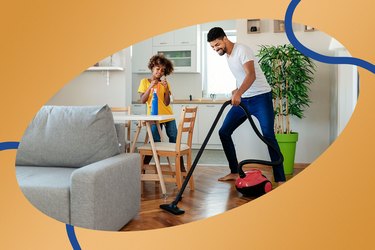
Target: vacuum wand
(172,207)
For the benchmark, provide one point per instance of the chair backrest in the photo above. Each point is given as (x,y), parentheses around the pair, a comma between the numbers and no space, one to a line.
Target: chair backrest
(126,110)
(186,125)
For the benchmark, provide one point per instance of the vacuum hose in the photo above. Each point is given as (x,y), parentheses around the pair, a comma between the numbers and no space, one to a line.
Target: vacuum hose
(172,207)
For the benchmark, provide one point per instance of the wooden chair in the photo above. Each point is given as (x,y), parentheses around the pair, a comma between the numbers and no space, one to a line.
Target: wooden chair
(127,125)
(181,148)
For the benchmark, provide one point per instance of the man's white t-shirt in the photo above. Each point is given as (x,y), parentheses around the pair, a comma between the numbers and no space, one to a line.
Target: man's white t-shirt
(240,55)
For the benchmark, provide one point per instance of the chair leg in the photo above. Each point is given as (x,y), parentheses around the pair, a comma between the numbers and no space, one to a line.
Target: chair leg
(169,164)
(188,165)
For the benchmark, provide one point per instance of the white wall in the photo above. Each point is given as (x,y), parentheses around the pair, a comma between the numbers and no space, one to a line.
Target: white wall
(90,87)
(344,92)
(314,129)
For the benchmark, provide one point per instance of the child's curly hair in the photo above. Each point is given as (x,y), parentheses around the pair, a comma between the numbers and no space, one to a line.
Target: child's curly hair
(160,60)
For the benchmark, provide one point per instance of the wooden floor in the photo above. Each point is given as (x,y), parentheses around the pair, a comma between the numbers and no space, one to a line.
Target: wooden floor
(210,197)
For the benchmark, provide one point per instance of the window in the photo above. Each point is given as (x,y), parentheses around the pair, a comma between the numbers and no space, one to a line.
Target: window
(217,77)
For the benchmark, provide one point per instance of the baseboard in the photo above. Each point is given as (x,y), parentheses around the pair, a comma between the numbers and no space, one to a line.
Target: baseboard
(296,165)
(301,165)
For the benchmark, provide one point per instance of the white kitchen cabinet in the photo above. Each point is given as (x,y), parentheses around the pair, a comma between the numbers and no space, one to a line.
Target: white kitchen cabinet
(139,109)
(183,58)
(179,46)
(205,118)
(207,114)
(163,39)
(141,54)
(186,36)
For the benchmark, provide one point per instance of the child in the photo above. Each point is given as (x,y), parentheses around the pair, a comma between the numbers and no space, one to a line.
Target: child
(159,66)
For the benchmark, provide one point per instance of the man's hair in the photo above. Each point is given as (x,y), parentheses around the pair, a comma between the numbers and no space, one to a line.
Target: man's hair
(215,33)
(160,60)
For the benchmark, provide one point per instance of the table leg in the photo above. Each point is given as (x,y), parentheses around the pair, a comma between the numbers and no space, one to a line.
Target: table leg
(135,139)
(163,139)
(156,159)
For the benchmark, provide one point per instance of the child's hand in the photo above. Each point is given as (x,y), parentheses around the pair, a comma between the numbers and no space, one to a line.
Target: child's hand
(164,83)
(153,83)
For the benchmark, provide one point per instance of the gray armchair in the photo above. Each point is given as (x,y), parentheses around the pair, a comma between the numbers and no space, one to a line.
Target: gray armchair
(70,165)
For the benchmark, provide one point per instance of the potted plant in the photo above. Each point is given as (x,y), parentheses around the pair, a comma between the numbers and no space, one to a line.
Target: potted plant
(289,73)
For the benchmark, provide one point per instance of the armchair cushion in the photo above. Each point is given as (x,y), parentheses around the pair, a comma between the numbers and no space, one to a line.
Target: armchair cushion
(65,136)
(48,189)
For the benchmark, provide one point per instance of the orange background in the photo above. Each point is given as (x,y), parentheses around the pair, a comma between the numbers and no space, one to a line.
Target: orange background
(45,44)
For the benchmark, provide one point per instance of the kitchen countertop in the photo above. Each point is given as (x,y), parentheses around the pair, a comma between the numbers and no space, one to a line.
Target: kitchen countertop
(194,101)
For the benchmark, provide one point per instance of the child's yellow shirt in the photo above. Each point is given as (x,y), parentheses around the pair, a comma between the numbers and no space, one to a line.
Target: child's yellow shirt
(160,90)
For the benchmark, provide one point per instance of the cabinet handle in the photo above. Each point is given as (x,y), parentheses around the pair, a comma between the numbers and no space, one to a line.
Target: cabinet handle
(163,43)
(210,106)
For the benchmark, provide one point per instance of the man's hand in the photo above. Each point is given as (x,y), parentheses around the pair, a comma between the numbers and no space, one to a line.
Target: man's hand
(236,98)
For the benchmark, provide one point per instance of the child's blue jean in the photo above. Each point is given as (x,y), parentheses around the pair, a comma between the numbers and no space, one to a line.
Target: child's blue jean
(261,107)
(170,128)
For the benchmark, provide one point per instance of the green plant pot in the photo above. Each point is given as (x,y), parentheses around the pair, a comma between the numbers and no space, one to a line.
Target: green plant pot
(287,144)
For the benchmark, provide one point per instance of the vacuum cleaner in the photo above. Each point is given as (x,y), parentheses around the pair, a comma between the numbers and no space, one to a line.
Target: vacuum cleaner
(249,183)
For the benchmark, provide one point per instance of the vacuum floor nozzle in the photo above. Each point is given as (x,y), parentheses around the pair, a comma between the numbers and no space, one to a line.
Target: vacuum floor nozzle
(172,208)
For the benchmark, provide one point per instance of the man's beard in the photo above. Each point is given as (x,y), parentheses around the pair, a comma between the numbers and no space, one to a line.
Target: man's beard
(222,52)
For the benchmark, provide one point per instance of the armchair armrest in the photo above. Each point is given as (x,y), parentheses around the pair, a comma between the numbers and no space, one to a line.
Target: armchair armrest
(105,195)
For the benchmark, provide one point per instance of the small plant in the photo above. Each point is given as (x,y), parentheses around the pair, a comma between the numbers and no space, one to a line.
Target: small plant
(289,73)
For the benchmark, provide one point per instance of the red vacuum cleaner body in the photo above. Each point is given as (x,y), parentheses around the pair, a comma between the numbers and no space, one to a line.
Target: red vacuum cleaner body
(253,184)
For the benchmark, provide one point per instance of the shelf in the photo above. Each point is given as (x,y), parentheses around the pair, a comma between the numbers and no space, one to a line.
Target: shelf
(105,68)
(309,28)
(253,26)
(278,26)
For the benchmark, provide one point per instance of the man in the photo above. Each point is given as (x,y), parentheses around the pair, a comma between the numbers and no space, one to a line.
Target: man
(253,91)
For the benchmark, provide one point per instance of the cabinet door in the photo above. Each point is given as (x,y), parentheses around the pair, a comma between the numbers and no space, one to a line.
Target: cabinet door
(186,36)
(207,114)
(141,54)
(163,39)
(184,58)
(177,109)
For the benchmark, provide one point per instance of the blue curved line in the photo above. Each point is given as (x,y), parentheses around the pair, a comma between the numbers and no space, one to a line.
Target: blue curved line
(72,237)
(9,145)
(322,58)
(69,228)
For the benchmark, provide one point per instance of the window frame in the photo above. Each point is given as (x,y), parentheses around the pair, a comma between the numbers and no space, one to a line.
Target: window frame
(204,47)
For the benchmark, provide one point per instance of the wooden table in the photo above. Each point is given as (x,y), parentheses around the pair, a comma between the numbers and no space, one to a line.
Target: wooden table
(147,120)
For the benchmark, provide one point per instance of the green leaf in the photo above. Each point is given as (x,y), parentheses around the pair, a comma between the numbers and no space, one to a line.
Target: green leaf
(289,74)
